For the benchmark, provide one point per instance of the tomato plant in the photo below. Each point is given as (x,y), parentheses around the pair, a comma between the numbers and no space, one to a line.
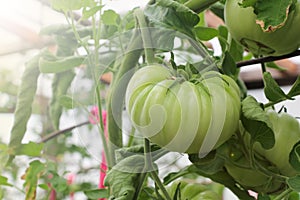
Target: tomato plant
(179,114)
(243,26)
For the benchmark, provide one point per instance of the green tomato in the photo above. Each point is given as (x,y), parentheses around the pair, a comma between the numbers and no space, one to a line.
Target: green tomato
(239,168)
(183,116)
(241,23)
(252,179)
(193,191)
(287,133)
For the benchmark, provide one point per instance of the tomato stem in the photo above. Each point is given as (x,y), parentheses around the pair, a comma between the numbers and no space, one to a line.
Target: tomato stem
(117,94)
(263,67)
(149,168)
(146,36)
(199,5)
(283,194)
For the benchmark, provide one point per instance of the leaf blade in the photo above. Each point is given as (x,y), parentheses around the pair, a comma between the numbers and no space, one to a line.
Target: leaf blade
(256,122)
(272,90)
(25,97)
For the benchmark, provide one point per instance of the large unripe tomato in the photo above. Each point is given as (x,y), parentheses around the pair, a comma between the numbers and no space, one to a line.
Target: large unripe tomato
(184,116)
(241,23)
(252,179)
(287,133)
(193,191)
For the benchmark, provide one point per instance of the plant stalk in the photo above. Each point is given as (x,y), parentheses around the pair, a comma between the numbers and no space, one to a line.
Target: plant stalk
(150,169)
(117,94)
(199,5)
(57,133)
(146,36)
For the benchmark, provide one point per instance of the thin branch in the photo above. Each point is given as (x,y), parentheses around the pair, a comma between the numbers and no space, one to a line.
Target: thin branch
(57,133)
(267,59)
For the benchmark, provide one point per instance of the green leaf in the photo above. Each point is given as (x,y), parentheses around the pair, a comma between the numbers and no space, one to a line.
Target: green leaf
(97,193)
(272,15)
(236,50)
(175,175)
(60,85)
(205,33)
(294,196)
(58,183)
(110,18)
(210,164)
(223,35)
(3,181)
(66,5)
(67,102)
(4,155)
(30,149)
(147,193)
(274,66)
(177,194)
(263,197)
(55,29)
(248,3)
(61,64)
(25,98)
(173,15)
(123,177)
(31,177)
(44,186)
(256,122)
(87,13)
(295,90)
(294,183)
(65,36)
(124,152)
(224,178)
(294,157)
(272,90)
(218,9)
(229,66)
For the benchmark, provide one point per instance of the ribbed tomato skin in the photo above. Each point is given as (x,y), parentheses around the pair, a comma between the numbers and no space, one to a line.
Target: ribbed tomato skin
(183,116)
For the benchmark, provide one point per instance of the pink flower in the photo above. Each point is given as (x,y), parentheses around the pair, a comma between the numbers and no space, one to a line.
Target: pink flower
(94,115)
(70,180)
(103,169)
(94,119)
(52,195)
(251,193)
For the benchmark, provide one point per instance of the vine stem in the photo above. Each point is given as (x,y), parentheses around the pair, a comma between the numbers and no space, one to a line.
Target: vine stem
(115,103)
(199,5)
(263,67)
(150,59)
(283,194)
(152,172)
(146,36)
(267,59)
(57,133)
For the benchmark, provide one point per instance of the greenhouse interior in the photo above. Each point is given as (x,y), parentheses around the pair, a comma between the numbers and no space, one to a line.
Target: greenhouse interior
(150,100)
